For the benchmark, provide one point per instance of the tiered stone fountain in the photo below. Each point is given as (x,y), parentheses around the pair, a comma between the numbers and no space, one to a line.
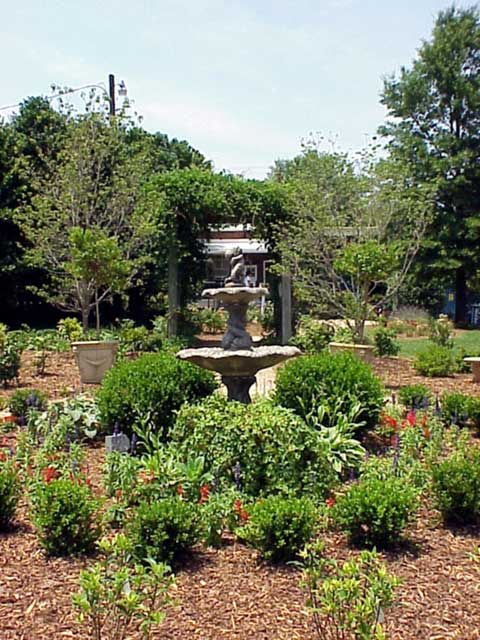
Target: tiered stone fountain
(237,360)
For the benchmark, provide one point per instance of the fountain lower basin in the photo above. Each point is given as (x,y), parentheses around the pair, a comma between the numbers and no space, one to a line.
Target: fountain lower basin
(242,362)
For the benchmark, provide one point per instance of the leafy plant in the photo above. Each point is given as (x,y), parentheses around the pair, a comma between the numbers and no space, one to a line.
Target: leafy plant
(259,448)
(9,491)
(456,486)
(375,512)
(342,450)
(347,598)
(385,341)
(10,352)
(116,594)
(312,336)
(279,527)
(339,380)
(64,512)
(70,329)
(441,332)
(164,530)
(458,408)
(415,396)
(23,400)
(154,384)
(434,361)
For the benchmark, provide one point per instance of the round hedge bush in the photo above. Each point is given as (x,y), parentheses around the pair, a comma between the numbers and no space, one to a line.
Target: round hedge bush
(306,382)
(260,448)
(155,385)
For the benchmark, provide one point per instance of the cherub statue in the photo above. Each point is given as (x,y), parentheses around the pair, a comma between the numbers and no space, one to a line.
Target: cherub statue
(237,268)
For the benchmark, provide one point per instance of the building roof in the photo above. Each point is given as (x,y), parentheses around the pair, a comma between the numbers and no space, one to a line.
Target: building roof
(220,247)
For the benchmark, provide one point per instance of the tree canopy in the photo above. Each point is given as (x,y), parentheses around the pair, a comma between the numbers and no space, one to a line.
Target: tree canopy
(434,126)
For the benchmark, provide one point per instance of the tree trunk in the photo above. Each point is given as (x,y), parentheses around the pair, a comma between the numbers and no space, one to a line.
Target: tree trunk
(85,315)
(97,312)
(460,295)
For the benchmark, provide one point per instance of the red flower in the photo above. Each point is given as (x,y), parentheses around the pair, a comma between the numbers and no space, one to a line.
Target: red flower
(49,474)
(240,511)
(330,502)
(118,494)
(411,418)
(3,456)
(204,493)
(390,420)
(180,491)
(146,477)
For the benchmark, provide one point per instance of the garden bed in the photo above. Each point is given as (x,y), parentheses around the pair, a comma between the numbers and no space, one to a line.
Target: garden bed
(230,593)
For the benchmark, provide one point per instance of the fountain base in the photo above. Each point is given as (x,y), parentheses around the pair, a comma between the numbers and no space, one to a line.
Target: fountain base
(238,387)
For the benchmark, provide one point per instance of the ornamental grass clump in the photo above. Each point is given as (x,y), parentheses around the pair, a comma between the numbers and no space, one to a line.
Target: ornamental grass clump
(332,380)
(279,527)
(375,512)
(65,512)
(156,385)
(456,487)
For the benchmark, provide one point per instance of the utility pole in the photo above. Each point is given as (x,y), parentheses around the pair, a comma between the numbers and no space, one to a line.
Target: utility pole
(111,93)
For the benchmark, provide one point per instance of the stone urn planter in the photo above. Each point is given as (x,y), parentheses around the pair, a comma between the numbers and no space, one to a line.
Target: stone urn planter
(363,351)
(94,358)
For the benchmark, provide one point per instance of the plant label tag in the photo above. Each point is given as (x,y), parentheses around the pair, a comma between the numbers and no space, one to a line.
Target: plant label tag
(119,442)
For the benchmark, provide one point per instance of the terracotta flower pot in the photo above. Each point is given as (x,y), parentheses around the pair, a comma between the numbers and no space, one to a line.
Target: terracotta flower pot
(94,358)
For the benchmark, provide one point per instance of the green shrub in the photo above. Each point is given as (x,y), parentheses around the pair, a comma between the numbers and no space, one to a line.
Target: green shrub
(347,598)
(10,352)
(70,329)
(434,362)
(9,492)
(456,487)
(414,396)
(24,399)
(165,530)
(458,408)
(279,527)
(64,513)
(441,332)
(374,512)
(385,341)
(260,448)
(312,336)
(339,380)
(155,385)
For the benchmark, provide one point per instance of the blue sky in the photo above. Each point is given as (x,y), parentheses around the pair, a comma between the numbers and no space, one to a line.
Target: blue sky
(242,80)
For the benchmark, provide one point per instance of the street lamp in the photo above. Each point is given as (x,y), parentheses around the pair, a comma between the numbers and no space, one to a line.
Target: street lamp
(110,94)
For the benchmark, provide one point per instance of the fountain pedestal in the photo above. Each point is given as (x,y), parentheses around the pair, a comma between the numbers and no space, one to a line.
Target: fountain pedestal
(237,361)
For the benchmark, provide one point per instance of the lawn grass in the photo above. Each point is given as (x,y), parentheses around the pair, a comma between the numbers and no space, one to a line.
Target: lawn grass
(469,340)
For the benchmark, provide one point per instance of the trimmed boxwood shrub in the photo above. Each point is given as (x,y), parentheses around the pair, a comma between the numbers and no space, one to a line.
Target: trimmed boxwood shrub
(456,487)
(374,512)
(260,448)
(415,396)
(280,527)
(9,492)
(304,383)
(155,385)
(165,530)
(24,399)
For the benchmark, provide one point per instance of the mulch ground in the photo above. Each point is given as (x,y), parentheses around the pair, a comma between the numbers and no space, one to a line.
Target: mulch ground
(230,594)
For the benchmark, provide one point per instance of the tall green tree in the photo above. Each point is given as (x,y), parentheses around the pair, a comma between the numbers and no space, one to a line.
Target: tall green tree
(434,126)
(83,217)
(353,232)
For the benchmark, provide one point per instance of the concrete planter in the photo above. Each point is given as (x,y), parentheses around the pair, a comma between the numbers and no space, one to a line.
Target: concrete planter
(94,358)
(363,351)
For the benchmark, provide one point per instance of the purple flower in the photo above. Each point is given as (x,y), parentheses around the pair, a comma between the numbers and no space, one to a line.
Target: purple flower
(237,475)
